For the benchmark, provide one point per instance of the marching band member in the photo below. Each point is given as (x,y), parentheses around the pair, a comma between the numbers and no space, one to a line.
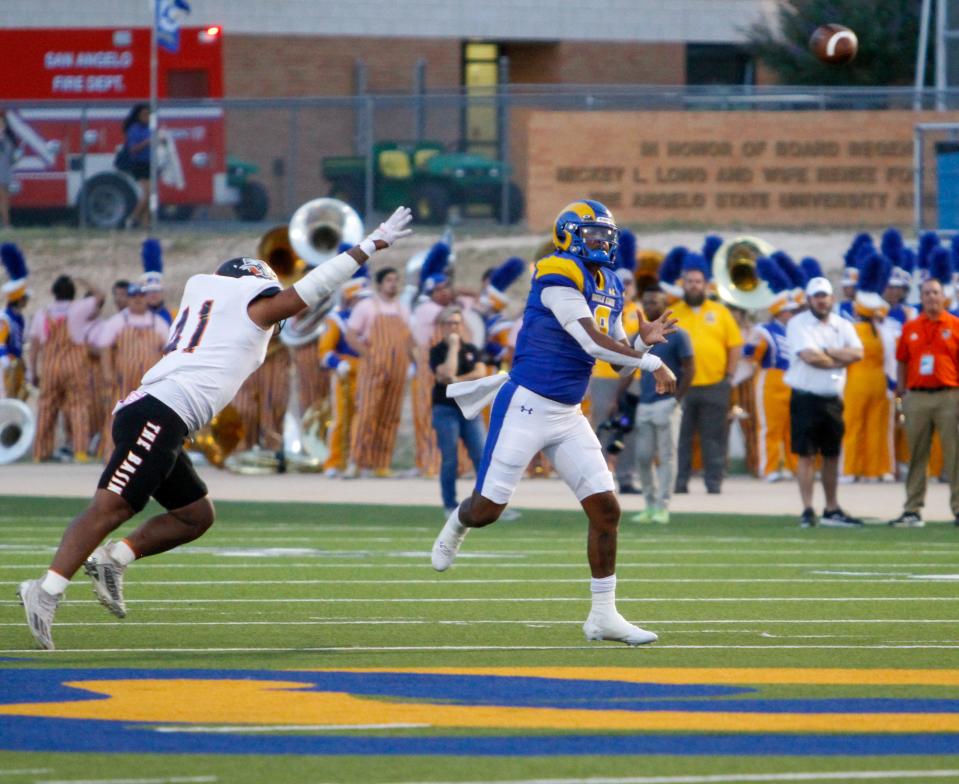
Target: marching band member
(378,330)
(60,366)
(130,343)
(337,356)
(151,281)
(436,292)
(860,247)
(868,412)
(13,323)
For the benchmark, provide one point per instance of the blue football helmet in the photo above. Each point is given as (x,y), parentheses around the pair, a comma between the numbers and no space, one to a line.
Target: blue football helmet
(582,221)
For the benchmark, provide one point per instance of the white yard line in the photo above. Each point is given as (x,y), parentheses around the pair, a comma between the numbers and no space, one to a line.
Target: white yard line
(544,581)
(513,599)
(168,780)
(415,648)
(247,728)
(723,778)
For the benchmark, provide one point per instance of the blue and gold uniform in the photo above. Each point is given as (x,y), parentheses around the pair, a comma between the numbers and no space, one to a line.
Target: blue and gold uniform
(548,359)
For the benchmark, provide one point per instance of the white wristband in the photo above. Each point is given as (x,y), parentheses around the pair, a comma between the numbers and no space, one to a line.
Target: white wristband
(322,281)
(650,363)
(368,246)
(639,345)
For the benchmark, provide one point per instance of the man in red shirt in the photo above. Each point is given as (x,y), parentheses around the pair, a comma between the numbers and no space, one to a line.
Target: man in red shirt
(928,383)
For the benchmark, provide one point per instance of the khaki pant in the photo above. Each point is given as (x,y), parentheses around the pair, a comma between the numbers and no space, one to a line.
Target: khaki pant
(925,412)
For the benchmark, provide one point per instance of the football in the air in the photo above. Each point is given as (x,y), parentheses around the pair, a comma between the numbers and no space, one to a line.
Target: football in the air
(834,44)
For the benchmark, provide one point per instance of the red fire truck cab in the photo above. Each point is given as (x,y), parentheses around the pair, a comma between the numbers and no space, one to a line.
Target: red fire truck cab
(66,101)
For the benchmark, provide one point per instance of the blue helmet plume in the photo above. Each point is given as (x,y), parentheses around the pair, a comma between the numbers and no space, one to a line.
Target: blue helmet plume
(773,274)
(695,261)
(626,254)
(861,244)
(928,242)
(811,268)
(152,255)
(671,268)
(507,273)
(711,244)
(940,265)
(13,260)
(797,278)
(876,269)
(435,262)
(892,245)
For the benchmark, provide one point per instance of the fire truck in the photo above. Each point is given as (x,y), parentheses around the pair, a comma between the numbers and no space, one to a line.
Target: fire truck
(66,99)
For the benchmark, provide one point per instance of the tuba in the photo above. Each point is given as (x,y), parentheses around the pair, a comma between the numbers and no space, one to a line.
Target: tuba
(219,438)
(315,233)
(734,271)
(17,428)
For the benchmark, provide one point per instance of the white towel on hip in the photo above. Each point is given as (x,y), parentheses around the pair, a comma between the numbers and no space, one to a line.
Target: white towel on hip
(473,396)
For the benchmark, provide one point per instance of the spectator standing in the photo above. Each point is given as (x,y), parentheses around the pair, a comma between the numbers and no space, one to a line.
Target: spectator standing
(136,141)
(120,294)
(655,413)
(717,344)
(821,345)
(928,383)
(378,331)
(453,360)
(8,150)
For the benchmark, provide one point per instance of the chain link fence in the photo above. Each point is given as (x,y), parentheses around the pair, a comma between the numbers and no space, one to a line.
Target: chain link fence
(453,156)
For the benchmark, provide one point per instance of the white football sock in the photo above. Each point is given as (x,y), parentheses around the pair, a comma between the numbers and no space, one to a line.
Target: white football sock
(604,593)
(453,521)
(54,583)
(122,553)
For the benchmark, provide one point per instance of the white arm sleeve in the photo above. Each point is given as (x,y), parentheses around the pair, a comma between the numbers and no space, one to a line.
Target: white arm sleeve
(569,305)
(323,280)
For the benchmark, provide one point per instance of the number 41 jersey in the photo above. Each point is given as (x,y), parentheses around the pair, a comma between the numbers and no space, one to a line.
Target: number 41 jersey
(213,347)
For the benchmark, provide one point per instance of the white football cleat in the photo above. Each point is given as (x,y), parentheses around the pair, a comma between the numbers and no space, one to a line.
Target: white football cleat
(107,577)
(447,544)
(614,627)
(40,608)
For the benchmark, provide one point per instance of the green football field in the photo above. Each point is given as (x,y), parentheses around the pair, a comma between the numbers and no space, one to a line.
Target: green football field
(314,643)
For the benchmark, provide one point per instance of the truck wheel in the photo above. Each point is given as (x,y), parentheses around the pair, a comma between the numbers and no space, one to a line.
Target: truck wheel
(106,201)
(431,203)
(348,192)
(254,202)
(515,205)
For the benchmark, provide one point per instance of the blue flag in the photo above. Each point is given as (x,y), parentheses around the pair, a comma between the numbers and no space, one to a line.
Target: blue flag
(169,15)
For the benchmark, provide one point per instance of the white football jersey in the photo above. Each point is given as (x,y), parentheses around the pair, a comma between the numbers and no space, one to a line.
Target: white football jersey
(212,348)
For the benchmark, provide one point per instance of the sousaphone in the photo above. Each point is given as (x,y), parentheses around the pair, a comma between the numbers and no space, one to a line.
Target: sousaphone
(315,234)
(734,271)
(17,429)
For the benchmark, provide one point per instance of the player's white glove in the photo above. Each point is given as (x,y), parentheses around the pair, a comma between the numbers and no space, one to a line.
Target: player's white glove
(394,227)
(343,369)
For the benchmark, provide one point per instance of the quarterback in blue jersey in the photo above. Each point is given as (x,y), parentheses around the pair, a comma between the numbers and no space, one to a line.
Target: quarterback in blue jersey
(572,318)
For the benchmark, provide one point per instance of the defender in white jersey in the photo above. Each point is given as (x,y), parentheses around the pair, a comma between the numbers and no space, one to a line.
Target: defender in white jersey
(219,338)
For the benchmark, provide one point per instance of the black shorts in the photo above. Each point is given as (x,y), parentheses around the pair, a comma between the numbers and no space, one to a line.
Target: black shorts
(139,170)
(815,424)
(148,458)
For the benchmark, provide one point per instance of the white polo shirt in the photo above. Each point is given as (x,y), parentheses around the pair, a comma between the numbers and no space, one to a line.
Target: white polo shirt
(805,331)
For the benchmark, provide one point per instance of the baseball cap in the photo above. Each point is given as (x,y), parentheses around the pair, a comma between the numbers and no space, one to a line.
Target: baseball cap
(818,286)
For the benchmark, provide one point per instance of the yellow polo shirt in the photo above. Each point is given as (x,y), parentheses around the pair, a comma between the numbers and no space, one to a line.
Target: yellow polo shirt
(712,331)
(632,315)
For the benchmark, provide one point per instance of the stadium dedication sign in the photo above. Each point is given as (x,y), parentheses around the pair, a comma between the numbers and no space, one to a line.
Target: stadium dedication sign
(812,168)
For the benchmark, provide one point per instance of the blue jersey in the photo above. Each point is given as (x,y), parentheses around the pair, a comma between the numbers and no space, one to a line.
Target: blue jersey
(847,312)
(548,359)
(13,345)
(777,356)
